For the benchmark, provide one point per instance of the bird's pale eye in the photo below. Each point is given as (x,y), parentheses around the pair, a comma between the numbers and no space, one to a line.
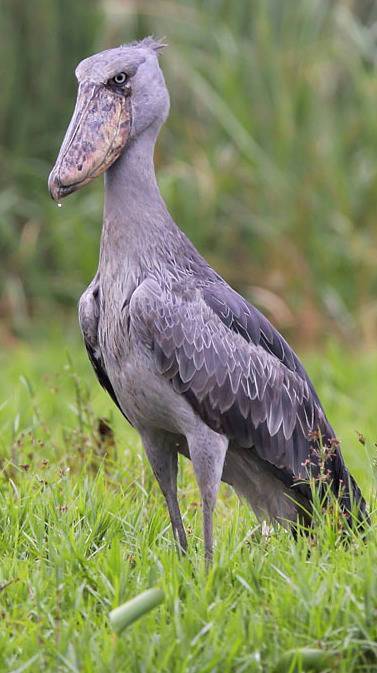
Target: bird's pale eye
(120,79)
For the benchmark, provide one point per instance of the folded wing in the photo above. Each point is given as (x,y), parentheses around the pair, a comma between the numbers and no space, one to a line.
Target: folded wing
(233,379)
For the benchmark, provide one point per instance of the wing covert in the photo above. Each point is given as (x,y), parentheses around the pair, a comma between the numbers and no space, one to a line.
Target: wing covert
(242,317)
(237,386)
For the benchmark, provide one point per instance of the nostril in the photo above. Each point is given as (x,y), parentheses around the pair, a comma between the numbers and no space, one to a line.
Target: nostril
(79,167)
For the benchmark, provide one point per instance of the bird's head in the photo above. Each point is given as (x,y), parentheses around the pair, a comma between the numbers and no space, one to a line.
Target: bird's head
(121,93)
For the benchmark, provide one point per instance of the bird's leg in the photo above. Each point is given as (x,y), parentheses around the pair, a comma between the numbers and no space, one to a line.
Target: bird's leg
(207,452)
(163,457)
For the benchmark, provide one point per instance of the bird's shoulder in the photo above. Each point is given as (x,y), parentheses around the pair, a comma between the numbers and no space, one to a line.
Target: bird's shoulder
(209,327)
(241,317)
(210,305)
(225,358)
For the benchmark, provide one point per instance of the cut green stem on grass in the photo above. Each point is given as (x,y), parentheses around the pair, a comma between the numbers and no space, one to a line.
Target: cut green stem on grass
(129,612)
(306,659)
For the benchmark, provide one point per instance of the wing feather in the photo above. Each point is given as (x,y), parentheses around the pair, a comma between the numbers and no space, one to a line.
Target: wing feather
(228,367)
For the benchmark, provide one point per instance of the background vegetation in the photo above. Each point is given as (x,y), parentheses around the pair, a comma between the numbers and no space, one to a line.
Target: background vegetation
(268,163)
(267,160)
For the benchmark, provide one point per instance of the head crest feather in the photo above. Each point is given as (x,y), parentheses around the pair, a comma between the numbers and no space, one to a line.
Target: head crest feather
(149,42)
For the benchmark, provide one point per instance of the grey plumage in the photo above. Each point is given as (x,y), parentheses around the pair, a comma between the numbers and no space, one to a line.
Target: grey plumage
(192,365)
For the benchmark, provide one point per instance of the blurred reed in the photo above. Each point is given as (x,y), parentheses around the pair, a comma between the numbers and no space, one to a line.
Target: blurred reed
(267,161)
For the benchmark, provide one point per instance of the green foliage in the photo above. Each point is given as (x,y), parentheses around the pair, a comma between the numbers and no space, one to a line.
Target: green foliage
(267,160)
(273,172)
(41,43)
(84,527)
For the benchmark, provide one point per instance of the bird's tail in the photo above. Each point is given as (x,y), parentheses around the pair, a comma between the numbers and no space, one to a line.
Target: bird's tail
(276,494)
(347,491)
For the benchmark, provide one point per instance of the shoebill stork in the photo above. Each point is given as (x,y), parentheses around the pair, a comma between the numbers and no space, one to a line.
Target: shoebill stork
(190,363)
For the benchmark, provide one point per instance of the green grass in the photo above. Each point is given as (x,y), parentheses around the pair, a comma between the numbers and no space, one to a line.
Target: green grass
(84,528)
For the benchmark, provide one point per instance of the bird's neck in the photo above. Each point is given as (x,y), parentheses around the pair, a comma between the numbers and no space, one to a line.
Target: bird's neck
(136,225)
(139,237)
